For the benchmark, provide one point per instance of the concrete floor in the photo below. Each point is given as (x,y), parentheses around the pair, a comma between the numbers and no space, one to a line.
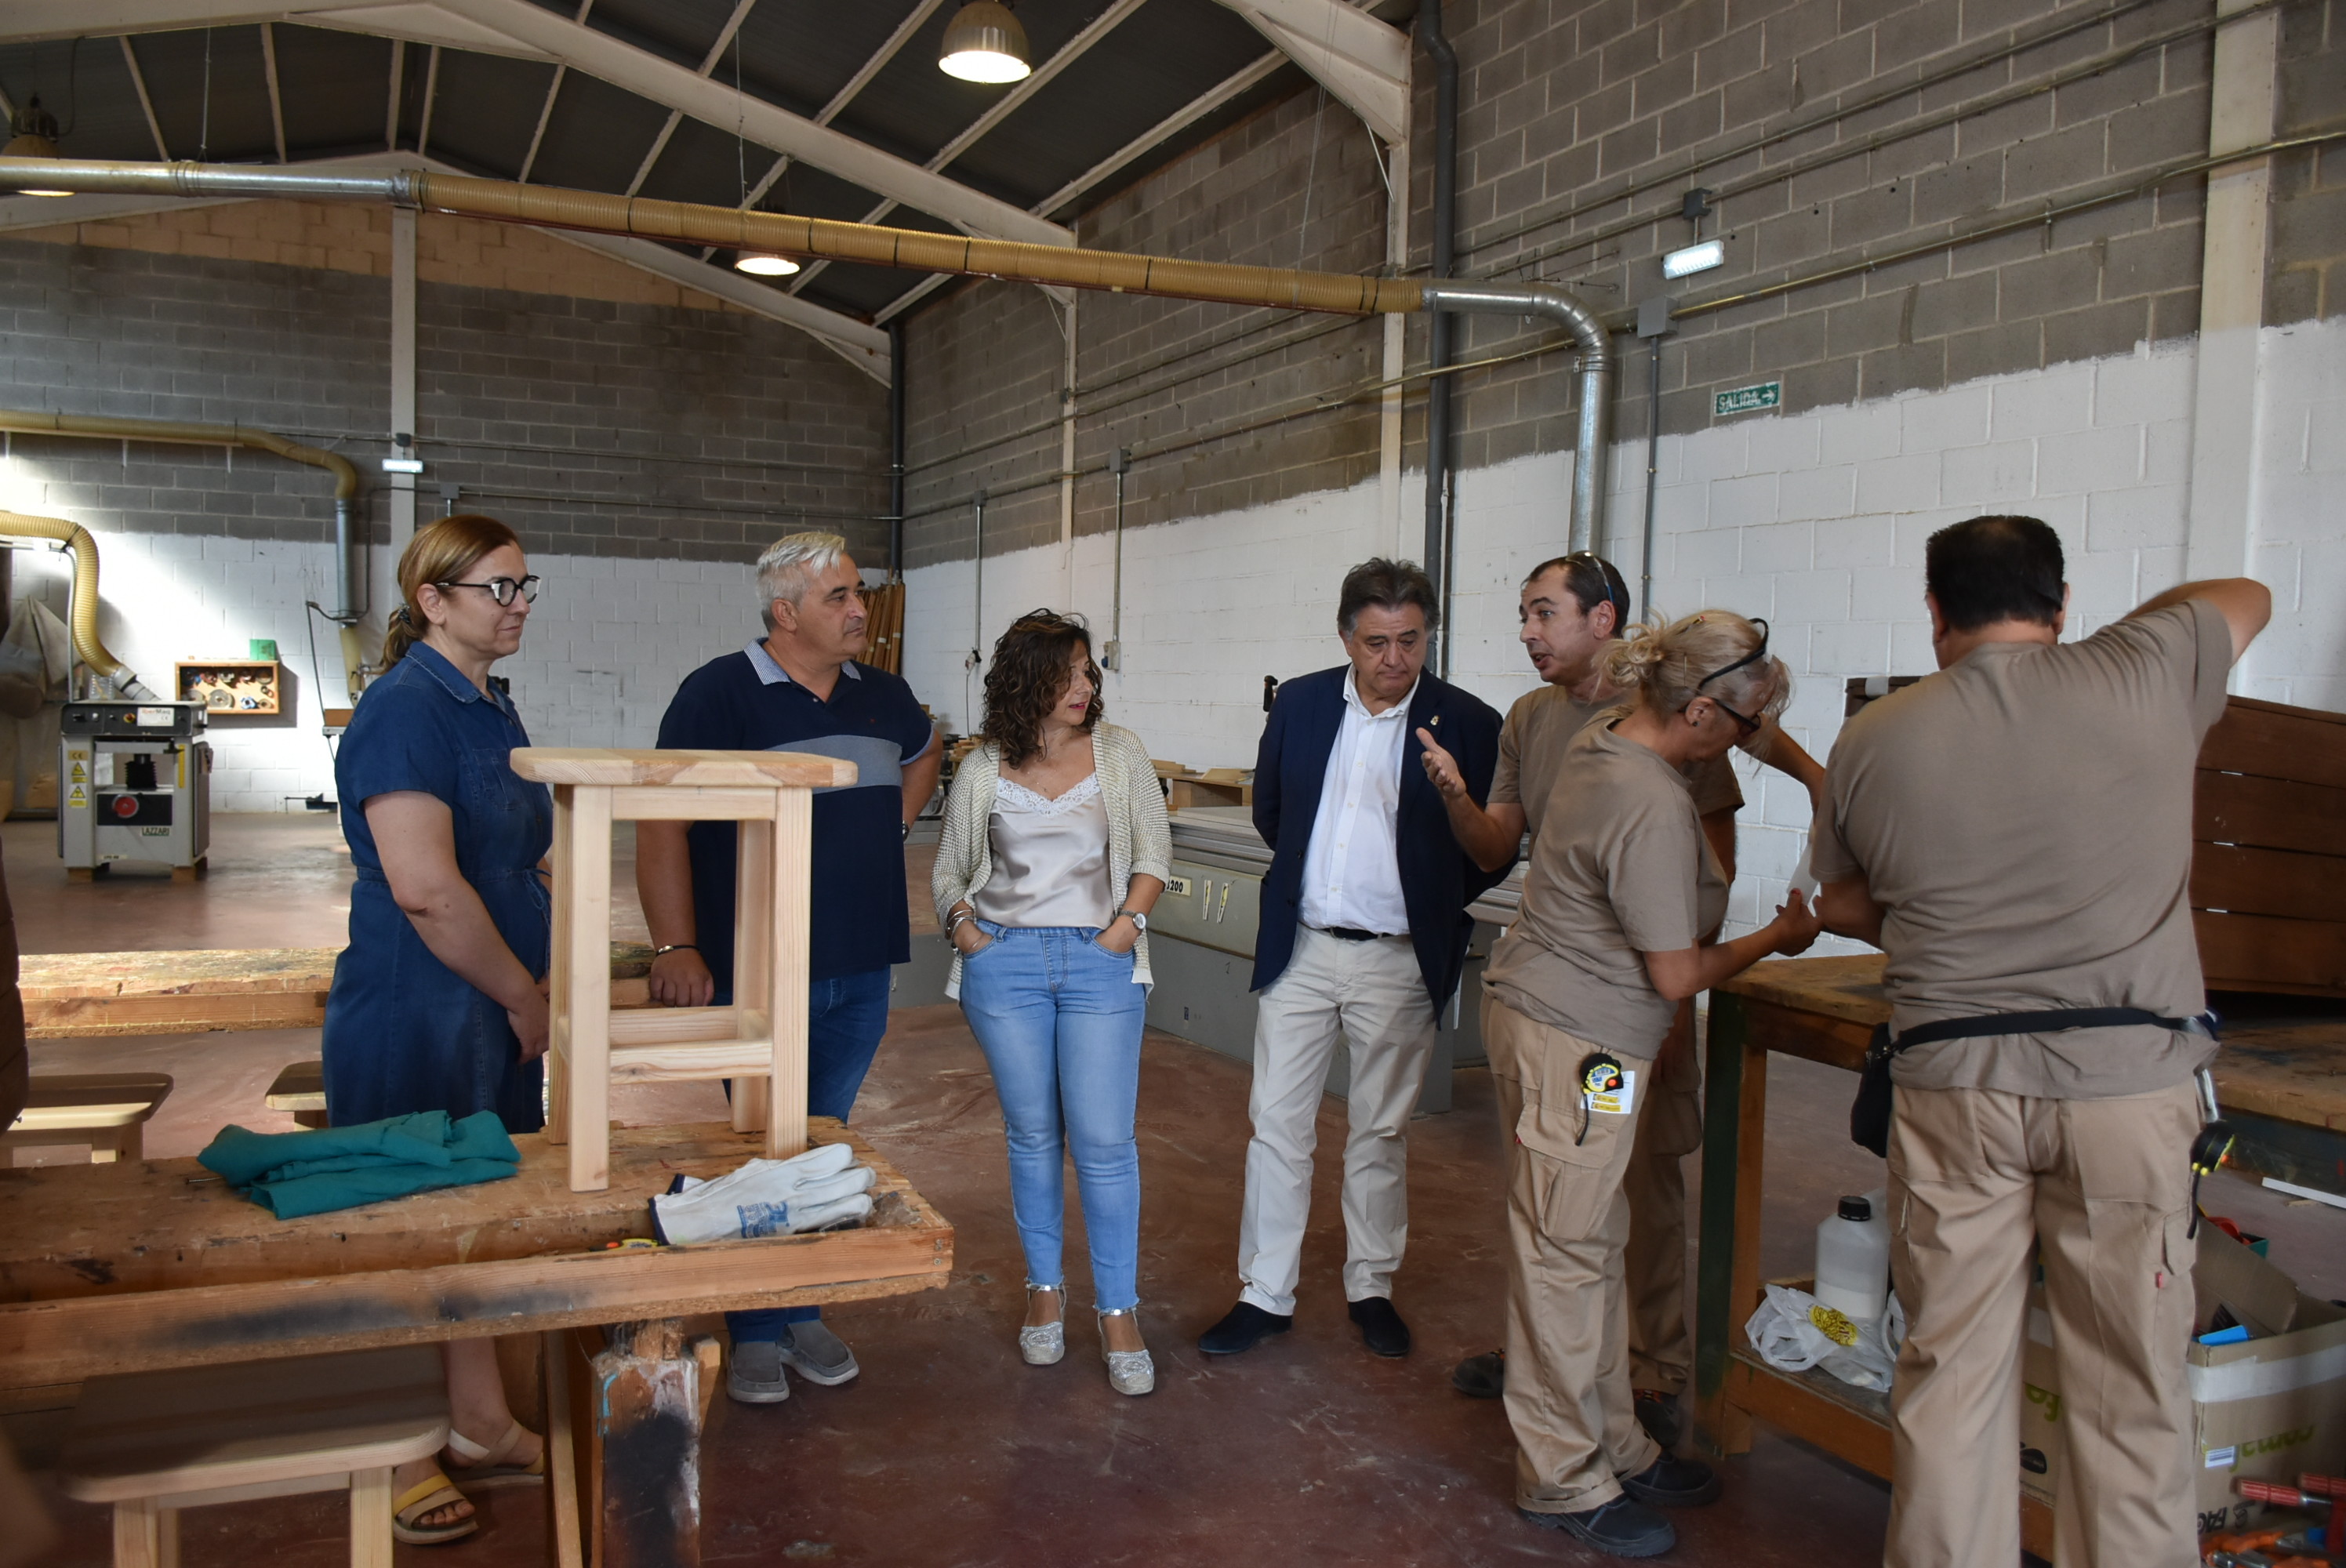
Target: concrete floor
(949,1450)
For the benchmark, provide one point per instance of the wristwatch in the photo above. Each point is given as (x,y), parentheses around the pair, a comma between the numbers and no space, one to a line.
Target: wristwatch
(1139,922)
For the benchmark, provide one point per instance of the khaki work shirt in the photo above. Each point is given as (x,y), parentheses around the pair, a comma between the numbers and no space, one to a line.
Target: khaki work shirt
(2024,818)
(1539,727)
(1625,871)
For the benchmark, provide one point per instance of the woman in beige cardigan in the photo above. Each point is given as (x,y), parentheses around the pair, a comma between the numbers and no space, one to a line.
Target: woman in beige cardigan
(1055,850)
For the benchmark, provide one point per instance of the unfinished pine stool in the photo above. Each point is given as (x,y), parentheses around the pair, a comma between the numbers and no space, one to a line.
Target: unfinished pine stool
(152,1443)
(759,1041)
(108,1111)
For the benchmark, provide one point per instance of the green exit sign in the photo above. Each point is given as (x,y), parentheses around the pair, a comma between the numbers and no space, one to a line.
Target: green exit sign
(1745,400)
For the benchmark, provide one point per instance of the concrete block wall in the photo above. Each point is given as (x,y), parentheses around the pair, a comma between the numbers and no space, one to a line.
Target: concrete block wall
(1815,520)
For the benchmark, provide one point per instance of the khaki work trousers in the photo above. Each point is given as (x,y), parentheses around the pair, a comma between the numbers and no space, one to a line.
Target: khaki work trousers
(1983,1184)
(1373,994)
(1568,1400)
(1654,1265)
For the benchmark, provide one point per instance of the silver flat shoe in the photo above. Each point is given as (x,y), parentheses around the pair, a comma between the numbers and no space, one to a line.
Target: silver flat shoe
(1129,1372)
(1044,1346)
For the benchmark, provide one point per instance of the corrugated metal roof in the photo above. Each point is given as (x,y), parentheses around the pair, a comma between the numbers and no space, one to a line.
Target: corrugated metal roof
(211,96)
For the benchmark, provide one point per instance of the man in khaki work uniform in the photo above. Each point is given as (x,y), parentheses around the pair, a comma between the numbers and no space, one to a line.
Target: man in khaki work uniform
(1571,607)
(2015,831)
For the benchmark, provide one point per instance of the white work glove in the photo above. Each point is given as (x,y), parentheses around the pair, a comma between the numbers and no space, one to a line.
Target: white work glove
(769,1197)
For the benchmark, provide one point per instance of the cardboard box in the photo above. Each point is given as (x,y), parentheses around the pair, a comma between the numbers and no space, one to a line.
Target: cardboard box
(2269,1408)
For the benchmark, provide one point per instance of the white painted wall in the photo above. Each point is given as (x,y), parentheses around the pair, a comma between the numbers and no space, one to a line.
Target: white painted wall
(1816,520)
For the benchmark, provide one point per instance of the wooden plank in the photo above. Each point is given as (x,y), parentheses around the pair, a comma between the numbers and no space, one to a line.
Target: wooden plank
(1846,988)
(701,769)
(2258,953)
(148,1271)
(2291,1070)
(1815,1407)
(2239,880)
(563,1448)
(1735,1121)
(665,1026)
(753,959)
(691,1061)
(792,936)
(2274,740)
(2272,813)
(1835,1042)
(658,803)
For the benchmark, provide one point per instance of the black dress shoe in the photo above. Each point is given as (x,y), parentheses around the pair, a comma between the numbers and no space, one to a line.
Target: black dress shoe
(1674,1483)
(1483,1377)
(1381,1327)
(1242,1329)
(1625,1527)
(1659,1413)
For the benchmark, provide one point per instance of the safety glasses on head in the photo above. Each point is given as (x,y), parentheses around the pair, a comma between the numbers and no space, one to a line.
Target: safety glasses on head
(1604,573)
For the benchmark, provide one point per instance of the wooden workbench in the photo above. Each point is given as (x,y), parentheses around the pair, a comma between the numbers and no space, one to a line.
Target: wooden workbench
(2281,1077)
(184,991)
(152,1263)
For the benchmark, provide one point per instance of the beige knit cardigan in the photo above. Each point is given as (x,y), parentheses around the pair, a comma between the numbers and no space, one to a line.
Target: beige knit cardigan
(1139,838)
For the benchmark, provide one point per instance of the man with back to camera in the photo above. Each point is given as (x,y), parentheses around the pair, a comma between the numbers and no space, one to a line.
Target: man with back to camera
(1363,931)
(1571,607)
(2014,833)
(798,688)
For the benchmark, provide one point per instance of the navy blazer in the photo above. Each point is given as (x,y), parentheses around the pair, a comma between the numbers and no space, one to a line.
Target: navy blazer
(1437,879)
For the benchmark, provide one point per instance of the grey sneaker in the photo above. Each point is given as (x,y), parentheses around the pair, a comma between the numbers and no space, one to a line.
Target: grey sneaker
(754,1374)
(819,1355)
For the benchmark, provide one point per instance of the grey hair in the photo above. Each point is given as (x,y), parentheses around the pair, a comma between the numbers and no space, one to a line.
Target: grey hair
(787,569)
(1669,664)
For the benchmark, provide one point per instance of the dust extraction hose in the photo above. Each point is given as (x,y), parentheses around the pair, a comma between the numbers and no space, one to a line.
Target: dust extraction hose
(347,587)
(83,618)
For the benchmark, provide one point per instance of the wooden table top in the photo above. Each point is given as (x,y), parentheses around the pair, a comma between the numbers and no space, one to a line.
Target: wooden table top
(156,1263)
(2283,1057)
(689,768)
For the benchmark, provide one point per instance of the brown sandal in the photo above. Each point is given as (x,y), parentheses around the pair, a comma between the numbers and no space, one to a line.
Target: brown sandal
(429,1495)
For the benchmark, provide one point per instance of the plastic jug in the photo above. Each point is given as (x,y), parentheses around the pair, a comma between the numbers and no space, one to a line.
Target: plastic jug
(1853,1259)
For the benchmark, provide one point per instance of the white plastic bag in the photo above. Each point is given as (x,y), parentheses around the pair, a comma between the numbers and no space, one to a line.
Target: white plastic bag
(1792,1331)
(821,1187)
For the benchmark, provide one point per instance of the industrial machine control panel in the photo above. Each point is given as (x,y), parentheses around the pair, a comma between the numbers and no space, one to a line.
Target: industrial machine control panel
(133,784)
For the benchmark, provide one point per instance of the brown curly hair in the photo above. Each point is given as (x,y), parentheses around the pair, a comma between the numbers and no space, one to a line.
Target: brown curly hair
(1028,677)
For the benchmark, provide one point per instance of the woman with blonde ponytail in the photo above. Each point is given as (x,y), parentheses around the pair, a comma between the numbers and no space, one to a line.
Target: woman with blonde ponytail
(438,1003)
(1579,995)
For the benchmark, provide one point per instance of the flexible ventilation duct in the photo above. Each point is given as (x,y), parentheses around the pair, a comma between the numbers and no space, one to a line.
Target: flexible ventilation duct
(82,619)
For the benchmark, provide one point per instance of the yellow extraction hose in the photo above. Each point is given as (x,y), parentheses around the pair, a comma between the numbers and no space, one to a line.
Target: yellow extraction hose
(182,432)
(82,619)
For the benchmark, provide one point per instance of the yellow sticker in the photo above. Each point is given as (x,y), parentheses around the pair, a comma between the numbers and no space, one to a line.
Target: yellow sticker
(80,774)
(79,798)
(1833,1325)
(1619,1101)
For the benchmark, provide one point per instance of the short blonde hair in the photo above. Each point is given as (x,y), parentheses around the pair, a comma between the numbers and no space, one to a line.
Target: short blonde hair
(788,567)
(1669,666)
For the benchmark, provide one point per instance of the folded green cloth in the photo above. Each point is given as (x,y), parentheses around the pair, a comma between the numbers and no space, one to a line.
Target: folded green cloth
(294,1174)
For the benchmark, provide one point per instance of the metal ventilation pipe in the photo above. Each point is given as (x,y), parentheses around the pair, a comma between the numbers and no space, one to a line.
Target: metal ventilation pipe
(1116,273)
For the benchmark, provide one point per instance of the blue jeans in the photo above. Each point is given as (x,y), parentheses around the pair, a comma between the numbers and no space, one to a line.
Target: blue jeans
(846,1016)
(1059,1018)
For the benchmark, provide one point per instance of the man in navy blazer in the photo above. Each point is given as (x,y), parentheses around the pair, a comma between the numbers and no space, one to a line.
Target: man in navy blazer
(1363,933)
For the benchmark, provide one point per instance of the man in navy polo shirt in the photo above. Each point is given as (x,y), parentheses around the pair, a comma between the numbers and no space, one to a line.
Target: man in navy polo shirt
(798,688)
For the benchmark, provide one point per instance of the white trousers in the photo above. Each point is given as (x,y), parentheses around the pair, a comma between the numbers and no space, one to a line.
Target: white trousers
(1374,994)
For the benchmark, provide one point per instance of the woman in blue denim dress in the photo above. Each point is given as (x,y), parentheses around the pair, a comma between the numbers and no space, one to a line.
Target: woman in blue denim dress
(438,1003)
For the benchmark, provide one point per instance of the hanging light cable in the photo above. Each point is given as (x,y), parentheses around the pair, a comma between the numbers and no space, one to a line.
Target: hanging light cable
(985,42)
(33,133)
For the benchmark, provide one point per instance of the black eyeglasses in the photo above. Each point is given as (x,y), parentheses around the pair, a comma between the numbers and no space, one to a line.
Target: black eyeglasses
(503,589)
(1750,725)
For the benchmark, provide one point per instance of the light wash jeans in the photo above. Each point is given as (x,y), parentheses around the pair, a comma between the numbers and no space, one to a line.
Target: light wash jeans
(1059,1018)
(846,1016)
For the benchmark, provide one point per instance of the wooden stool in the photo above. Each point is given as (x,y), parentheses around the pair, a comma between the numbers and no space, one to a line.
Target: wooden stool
(760,1041)
(156,1442)
(300,1090)
(108,1111)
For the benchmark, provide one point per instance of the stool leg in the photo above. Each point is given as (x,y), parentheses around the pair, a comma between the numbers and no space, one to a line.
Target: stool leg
(136,1542)
(786,1118)
(167,1538)
(371,1518)
(753,964)
(587,1008)
(558,976)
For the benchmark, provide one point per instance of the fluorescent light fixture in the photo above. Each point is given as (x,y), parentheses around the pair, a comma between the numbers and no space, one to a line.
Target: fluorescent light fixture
(1699,257)
(985,42)
(764,264)
(403,465)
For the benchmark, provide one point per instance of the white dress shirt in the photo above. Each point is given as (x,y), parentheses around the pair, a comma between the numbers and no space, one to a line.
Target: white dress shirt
(1352,873)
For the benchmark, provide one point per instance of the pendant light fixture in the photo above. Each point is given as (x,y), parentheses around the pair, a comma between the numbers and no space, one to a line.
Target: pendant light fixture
(764,264)
(33,133)
(985,42)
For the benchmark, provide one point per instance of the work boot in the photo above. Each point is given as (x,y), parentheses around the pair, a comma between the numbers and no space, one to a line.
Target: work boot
(1625,1527)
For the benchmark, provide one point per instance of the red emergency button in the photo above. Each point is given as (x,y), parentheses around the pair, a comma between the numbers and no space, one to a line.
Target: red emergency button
(125,805)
